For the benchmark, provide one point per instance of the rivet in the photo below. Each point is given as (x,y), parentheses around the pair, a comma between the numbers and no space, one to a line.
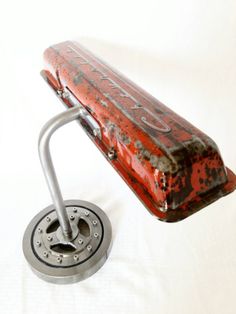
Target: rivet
(86,213)
(40,230)
(80,241)
(95,222)
(96,235)
(72,217)
(75,210)
(48,219)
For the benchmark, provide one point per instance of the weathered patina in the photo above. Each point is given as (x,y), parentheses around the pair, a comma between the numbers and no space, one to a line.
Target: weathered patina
(173,167)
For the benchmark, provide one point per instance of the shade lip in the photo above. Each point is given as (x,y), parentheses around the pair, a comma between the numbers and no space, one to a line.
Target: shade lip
(191,207)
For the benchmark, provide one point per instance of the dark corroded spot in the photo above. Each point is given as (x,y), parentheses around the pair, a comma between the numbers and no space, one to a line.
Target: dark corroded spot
(125,139)
(164,164)
(146,154)
(103,103)
(138,144)
(78,78)
(154,160)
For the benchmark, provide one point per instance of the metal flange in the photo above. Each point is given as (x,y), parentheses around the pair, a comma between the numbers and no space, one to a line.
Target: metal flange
(61,261)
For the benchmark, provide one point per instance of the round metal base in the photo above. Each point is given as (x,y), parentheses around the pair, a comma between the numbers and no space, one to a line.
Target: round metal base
(57,259)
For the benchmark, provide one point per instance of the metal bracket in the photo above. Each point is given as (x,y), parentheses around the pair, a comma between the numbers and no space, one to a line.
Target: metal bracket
(85,119)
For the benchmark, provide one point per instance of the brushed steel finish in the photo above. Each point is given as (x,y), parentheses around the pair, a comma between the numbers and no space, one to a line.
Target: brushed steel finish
(48,168)
(68,267)
(46,133)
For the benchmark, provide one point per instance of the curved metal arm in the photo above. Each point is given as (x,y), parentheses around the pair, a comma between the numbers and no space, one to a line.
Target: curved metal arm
(46,161)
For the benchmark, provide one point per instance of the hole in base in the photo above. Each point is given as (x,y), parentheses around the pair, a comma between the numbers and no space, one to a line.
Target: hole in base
(62,248)
(53,226)
(84,228)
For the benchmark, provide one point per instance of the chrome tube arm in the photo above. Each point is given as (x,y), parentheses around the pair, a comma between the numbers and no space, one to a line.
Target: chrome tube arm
(46,161)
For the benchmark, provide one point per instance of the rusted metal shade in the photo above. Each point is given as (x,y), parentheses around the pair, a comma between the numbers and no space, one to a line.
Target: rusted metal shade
(173,167)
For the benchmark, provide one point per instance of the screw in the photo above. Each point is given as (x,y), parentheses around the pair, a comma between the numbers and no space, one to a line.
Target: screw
(72,217)
(111,154)
(96,235)
(76,257)
(59,259)
(65,95)
(38,243)
(48,219)
(45,254)
(89,248)
(86,213)
(75,210)
(59,92)
(95,222)
(40,230)
(163,208)
(49,238)
(80,241)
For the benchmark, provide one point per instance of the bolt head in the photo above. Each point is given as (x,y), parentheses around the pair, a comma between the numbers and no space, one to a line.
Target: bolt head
(49,238)
(89,248)
(48,219)
(95,222)
(38,243)
(59,92)
(96,235)
(86,213)
(65,95)
(76,257)
(80,241)
(72,217)
(45,254)
(59,260)
(75,210)
(40,230)
(111,154)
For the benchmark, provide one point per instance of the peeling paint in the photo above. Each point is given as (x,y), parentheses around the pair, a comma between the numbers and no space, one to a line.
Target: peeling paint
(173,167)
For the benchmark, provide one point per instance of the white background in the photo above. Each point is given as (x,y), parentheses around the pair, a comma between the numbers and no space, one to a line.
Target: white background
(183,52)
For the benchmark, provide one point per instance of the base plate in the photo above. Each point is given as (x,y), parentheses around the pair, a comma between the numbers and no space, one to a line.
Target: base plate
(57,260)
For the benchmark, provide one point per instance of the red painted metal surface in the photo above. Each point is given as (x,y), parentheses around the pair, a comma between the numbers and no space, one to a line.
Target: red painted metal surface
(173,167)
